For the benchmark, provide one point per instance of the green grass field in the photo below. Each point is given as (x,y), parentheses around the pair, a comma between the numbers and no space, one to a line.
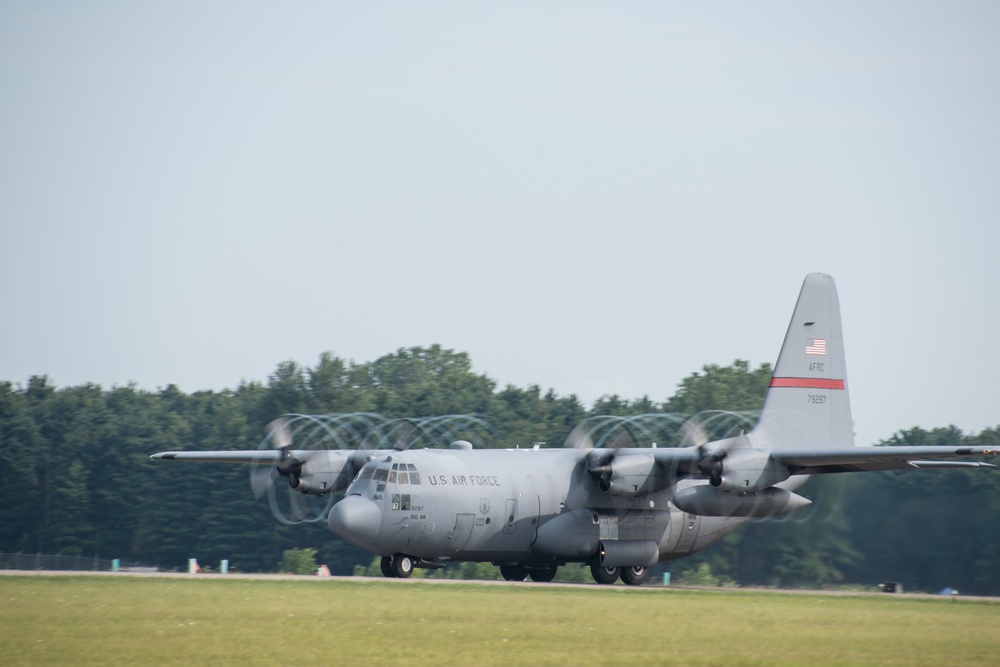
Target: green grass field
(108,620)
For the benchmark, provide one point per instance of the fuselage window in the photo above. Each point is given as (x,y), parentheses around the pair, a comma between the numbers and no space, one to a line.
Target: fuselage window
(403,478)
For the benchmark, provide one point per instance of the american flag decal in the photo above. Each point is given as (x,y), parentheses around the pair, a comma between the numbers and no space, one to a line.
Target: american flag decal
(816,346)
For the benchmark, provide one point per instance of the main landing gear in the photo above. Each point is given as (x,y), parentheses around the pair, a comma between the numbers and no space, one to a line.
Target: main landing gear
(632,576)
(520,573)
(513,572)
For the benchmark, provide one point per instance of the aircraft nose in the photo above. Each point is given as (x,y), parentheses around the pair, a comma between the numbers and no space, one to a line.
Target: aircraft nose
(355,519)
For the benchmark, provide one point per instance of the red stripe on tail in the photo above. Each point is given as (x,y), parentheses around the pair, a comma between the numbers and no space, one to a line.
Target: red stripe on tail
(807,383)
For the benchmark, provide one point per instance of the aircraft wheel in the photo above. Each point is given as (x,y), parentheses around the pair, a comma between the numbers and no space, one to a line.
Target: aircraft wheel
(386,565)
(402,565)
(605,575)
(543,574)
(513,572)
(635,576)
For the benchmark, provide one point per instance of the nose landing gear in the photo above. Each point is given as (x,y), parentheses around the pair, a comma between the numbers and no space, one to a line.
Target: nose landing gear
(396,566)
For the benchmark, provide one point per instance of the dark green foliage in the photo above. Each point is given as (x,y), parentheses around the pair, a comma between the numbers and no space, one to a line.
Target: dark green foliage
(298,561)
(734,387)
(75,475)
(21,493)
(937,528)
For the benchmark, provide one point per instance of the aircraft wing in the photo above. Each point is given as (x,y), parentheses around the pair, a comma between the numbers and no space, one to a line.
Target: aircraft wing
(860,459)
(683,460)
(220,456)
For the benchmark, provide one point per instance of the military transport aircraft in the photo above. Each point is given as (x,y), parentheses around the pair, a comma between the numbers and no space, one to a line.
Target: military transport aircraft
(620,510)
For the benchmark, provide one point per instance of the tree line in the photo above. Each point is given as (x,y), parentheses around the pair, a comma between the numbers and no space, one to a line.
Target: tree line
(75,474)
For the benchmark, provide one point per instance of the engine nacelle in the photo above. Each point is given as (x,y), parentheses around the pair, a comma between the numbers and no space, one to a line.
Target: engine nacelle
(632,475)
(325,471)
(750,470)
(704,500)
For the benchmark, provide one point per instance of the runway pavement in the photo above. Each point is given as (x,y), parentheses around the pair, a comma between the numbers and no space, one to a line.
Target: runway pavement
(650,588)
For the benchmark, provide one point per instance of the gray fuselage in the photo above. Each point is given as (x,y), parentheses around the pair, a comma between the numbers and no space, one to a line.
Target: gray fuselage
(526,506)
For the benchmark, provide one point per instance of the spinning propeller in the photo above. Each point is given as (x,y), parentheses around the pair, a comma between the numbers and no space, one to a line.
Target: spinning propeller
(633,473)
(598,460)
(263,476)
(289,467)
(710,461)
(601,465)
(276,460)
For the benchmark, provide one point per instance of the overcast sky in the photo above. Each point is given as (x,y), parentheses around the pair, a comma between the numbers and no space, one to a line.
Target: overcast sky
(594,197)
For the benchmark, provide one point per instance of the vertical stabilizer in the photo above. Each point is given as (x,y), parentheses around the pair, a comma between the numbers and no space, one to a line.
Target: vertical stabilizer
(807,404)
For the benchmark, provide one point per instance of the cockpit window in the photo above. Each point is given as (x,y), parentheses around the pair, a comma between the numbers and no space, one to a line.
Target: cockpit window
(407,474)
(414,477)
(399,473)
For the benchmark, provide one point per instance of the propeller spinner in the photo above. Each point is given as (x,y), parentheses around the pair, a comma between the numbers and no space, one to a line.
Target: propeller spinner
(710,461)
